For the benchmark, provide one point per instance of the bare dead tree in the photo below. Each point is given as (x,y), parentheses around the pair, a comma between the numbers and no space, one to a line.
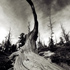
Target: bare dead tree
(26,58)
(51,43)
(34,33)
(51,26)
(30,44)
(31,37)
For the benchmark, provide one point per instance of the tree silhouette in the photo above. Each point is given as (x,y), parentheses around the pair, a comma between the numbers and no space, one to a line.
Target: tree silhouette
(65,35)
(61,41)
(30,44)
(51,42)
(22,39)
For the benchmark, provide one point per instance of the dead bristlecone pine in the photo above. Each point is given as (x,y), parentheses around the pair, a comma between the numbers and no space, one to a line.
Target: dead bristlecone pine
(27,59)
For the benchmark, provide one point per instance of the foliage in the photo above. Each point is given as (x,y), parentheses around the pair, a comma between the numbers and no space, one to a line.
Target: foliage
(62,55)
(22,39)
(6,48)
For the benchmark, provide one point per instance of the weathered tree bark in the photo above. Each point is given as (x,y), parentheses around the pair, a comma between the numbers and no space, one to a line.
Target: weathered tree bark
(32,36)
(27,59)
(30,44)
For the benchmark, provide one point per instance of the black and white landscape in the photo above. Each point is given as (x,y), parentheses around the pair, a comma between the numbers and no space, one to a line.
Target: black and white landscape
(34,35)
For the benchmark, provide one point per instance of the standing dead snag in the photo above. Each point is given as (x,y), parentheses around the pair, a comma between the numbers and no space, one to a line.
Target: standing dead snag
(51,43)
(27,59)
(32,36)
(30,44)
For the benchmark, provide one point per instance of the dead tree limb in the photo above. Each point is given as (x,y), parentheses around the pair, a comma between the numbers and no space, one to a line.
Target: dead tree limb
(34,32)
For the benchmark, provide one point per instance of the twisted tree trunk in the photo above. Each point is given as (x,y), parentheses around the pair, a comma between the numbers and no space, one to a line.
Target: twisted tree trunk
(27,59)
(30,44)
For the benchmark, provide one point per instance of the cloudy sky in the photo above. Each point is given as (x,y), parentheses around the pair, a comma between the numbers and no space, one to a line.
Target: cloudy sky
(16,14)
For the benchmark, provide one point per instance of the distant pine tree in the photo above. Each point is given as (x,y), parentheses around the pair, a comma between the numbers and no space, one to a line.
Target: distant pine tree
(22,39)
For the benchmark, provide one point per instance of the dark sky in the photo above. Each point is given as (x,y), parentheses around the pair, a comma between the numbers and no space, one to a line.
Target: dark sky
(16,14)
